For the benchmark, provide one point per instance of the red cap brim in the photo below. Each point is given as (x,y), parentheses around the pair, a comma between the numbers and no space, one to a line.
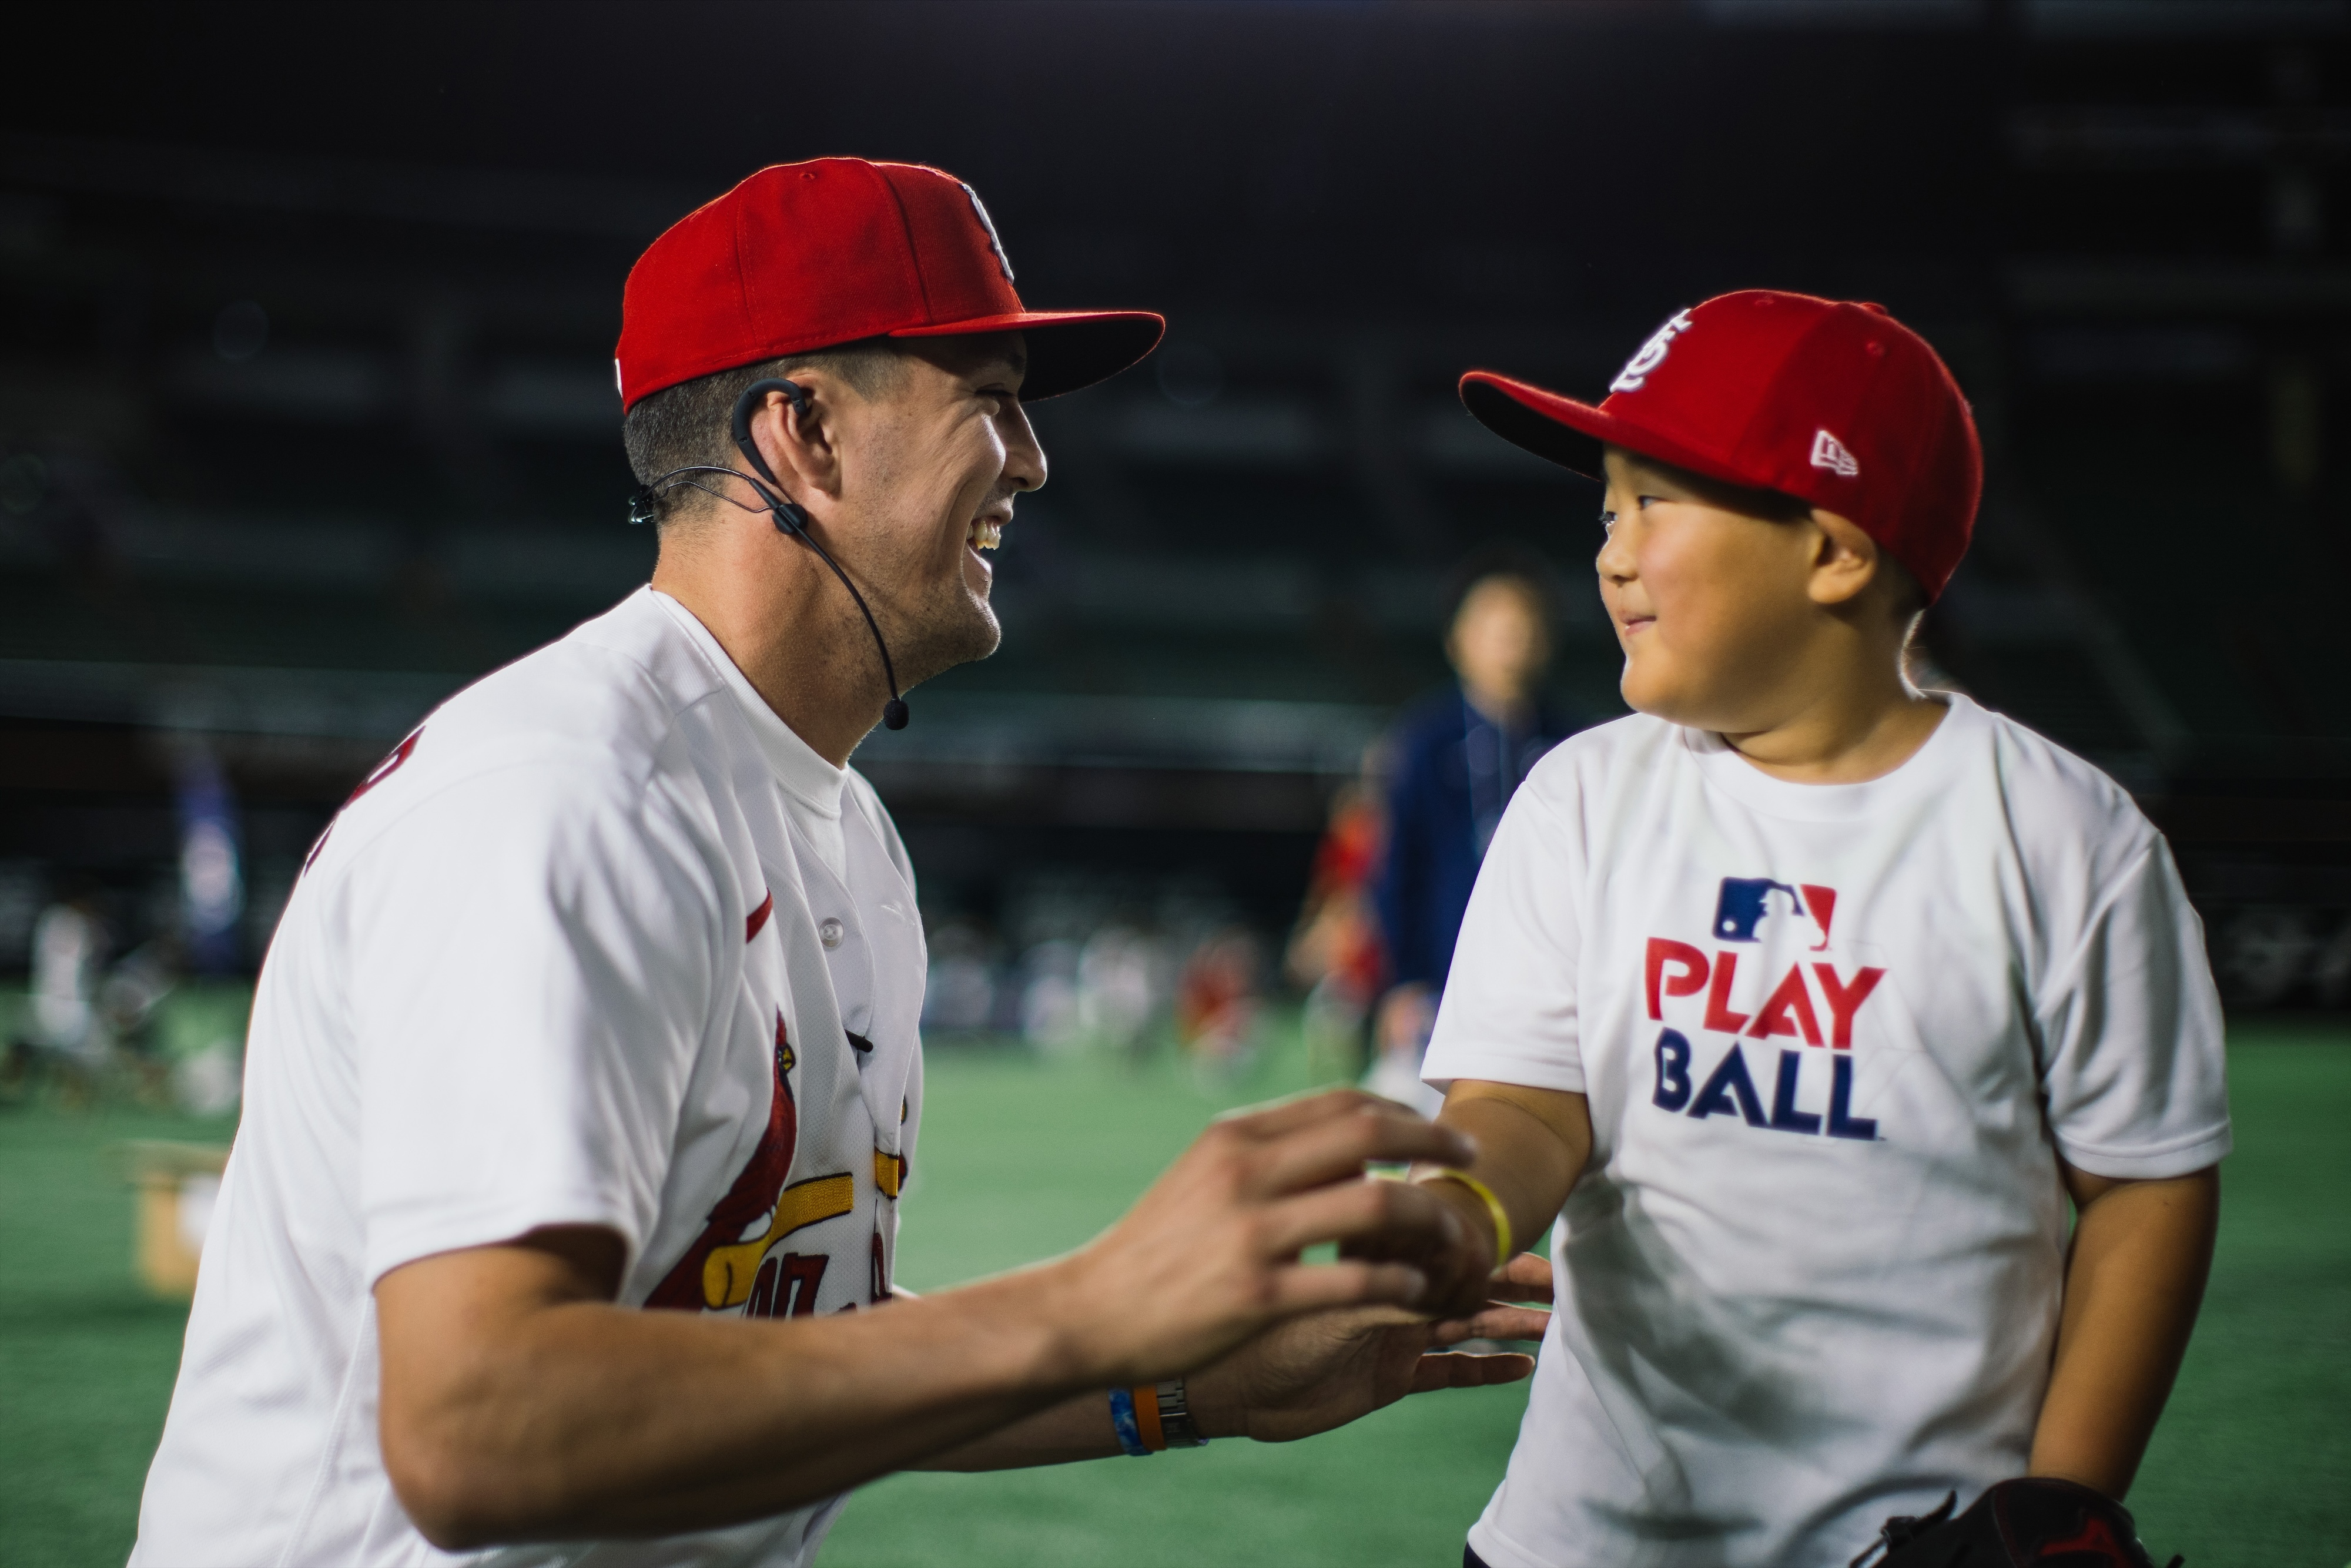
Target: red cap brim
(1571,434)
(1067,349)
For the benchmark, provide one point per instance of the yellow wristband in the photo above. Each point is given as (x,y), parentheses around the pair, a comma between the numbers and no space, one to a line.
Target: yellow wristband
(1503,1250)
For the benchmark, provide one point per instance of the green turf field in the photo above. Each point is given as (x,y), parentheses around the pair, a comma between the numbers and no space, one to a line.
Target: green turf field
(1021,1158)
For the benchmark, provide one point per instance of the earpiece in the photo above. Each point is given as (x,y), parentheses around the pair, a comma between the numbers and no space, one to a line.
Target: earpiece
(788,516)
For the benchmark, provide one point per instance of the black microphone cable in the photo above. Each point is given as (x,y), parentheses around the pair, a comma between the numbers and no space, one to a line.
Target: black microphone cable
(790,518)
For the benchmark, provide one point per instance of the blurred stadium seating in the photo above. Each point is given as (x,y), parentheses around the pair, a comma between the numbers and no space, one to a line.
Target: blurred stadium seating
(306,415)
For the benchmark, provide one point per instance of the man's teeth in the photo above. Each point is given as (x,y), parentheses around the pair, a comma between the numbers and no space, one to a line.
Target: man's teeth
(985,535)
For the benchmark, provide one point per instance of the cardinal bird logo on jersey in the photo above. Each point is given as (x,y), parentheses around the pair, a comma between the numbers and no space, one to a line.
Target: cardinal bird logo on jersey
(723,1270)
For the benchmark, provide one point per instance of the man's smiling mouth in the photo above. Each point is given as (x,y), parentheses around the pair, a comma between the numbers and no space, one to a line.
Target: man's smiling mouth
(986,533)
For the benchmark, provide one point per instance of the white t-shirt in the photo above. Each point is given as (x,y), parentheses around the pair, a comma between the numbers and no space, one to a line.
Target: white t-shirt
(1834,1039)
(550,965)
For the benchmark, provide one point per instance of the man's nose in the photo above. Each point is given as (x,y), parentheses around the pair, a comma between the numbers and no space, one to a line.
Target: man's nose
(1024,455)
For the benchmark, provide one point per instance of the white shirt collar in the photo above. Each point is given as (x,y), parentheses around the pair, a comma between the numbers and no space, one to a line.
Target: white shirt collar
(807,777)
(1923,768)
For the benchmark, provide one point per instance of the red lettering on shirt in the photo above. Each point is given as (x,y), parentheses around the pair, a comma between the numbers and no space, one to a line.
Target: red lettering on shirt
(1789,1010)
(1717,996)
(1845,1000)
(1662,952)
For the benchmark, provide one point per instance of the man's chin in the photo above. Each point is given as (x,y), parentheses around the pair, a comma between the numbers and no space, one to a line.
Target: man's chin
(969,634)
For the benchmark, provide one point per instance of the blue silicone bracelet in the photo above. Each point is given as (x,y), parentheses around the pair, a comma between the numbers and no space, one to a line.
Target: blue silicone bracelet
(1122,1416)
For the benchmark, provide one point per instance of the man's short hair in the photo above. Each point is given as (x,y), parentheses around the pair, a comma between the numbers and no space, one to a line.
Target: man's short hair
(689,424)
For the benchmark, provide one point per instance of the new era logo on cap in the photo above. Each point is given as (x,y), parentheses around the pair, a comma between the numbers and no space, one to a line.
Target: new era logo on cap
(1829,453)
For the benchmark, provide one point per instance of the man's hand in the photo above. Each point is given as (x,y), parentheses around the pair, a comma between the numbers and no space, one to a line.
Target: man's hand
(1532,1147)
(1331,1368)
(1209,1257)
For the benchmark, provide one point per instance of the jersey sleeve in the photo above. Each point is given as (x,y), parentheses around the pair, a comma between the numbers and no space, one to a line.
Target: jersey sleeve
(532,970)
(2132,1070)
(1509,1013)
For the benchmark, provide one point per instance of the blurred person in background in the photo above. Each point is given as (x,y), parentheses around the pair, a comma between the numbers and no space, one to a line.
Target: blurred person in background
(1335,953)
(1216,1004)
(1458,758)
(69,949)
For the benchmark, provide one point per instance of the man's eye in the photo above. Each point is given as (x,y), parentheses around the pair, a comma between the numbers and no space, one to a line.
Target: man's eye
(1607,522)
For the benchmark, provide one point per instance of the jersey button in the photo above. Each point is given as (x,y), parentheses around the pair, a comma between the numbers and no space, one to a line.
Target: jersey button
(828,931)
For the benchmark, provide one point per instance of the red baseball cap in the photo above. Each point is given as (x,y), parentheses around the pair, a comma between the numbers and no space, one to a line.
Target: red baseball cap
(806,255)
(1832,402)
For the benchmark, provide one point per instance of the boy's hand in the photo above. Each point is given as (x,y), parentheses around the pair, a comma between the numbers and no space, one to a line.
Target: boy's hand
(1461,1279)
(1316,1372)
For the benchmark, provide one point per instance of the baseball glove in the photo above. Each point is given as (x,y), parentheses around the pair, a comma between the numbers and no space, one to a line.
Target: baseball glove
(2030,1523)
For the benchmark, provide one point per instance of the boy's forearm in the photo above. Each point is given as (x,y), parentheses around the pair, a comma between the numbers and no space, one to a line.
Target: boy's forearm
(2134,1280)
(1531,1145)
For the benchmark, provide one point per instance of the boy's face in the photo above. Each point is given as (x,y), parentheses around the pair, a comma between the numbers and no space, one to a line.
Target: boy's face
(1711,590)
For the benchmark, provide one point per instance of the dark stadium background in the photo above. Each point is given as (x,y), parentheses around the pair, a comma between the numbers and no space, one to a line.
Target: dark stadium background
(307,418)
(307,409)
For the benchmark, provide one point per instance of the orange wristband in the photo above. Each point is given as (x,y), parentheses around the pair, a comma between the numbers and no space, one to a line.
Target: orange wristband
(1147,1418)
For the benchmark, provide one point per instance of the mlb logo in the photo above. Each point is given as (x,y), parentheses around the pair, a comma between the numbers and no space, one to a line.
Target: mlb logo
(1746,902)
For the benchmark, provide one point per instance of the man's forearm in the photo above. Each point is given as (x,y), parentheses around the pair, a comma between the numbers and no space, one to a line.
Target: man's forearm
(2134,1280)
(1077,1428)
(689,1422)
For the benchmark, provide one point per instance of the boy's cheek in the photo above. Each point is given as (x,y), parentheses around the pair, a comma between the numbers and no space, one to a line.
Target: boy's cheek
(1648,682)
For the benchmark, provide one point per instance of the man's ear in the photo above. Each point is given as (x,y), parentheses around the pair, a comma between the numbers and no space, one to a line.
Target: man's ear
(1846,564)
(802,450)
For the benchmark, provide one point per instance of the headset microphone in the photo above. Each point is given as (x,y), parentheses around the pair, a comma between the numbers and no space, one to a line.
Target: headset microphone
(794,520)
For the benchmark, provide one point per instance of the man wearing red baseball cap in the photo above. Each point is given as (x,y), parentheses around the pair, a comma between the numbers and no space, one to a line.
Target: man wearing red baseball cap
(600,996)
(1804,999)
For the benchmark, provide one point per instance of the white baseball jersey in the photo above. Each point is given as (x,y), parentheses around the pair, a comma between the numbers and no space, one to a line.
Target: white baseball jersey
(602,943)
(1835,1040)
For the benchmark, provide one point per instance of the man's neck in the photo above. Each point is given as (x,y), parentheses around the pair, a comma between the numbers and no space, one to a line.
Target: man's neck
(783,620)
(1504,710)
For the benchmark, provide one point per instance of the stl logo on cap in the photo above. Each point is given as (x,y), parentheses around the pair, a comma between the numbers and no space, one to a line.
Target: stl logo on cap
(995,240)
(1636,373)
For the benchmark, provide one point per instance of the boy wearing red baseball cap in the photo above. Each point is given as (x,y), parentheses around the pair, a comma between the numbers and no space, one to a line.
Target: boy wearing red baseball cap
(1804,1000)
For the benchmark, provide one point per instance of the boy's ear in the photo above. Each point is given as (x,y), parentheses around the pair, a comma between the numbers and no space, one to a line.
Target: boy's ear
(1847,562)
